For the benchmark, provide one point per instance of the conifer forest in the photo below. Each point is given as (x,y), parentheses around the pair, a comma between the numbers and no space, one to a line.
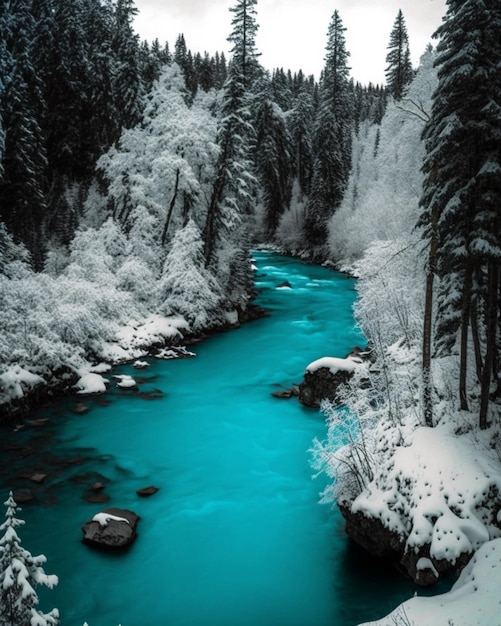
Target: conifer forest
(136,179)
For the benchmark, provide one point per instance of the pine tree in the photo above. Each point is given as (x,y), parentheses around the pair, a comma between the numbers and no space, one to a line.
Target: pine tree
(20,573)
(273,157)
(234,189)
(399,72)
(300,120)
(125,45)
(462,192)
(332,139)
(243,37)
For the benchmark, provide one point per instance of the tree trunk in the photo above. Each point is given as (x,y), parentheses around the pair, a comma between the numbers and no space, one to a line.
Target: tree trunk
(491,323)
(428,331)
(476,338)
(171,208)
(465,326)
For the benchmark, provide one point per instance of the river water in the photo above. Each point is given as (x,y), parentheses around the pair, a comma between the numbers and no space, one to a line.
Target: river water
(235,535)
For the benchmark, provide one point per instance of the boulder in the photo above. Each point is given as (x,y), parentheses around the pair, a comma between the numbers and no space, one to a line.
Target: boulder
(111,529)
(323,377)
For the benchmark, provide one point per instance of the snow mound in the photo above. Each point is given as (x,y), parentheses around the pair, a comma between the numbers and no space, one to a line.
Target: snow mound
(104,518)
(335,364)
(125,381)
(91,383)
(442,492)
(155,329)
(474,600)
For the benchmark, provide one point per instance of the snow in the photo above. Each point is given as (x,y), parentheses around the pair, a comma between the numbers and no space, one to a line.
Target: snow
(474,600)
(100,368)
(441,485)
(335,364)
(126,381)
(104,518)
(91,383)
(16,380)
(155,329)
(231,317)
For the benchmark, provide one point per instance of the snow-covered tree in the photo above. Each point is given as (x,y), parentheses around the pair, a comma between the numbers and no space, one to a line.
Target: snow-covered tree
(382,196)
(399,71)
(20,573)
(161,171)
(186,287)
(233,196)
(243,37)
(462,191)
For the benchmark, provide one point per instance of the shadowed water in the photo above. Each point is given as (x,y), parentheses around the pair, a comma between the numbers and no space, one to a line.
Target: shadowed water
(235,535)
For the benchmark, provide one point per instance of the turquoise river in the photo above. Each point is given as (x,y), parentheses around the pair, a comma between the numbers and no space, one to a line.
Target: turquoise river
(235,536)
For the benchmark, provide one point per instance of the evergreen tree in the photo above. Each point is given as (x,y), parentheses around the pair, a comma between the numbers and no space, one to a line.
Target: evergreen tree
(462,193)
(234,189)
(300,121)
(272,156)
(20,573)
(187,288)
(125,45)
(23,185)
(332,139)
(399,72)
(243,37)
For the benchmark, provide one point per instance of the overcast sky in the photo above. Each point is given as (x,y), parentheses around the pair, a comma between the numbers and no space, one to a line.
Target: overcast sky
(293,33)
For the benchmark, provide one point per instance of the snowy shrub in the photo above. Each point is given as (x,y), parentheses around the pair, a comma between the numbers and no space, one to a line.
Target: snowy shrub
(186,287)
(382,400)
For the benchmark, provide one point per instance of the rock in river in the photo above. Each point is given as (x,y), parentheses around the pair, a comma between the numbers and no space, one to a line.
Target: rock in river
(111,529)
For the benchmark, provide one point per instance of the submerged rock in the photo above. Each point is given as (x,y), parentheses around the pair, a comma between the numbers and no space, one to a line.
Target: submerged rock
(286,394)
(145,492)
(111,529)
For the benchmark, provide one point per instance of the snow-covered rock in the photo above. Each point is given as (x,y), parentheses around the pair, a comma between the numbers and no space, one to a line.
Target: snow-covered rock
(91,383)
(439,502)
(125,381)
(474,600)
(112,528)
(323,377)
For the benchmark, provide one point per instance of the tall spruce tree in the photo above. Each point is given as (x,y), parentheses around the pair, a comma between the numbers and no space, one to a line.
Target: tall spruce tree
(243,37)
(399,72)
(462,194)
(234,189)
(332,139)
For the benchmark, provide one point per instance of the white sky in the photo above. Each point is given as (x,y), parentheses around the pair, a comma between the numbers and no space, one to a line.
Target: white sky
(293,33)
